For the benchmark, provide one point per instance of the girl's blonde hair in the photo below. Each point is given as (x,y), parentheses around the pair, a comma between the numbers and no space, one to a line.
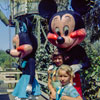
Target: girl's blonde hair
(68,70)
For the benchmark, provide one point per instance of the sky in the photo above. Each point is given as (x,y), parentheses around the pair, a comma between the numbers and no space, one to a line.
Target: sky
(6,32)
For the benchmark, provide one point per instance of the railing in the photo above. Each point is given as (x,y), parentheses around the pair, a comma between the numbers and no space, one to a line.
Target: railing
(10,78)
(42,83)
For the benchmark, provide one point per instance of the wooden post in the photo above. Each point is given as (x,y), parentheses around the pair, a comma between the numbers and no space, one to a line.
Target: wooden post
(4,18)
(38,29)
(44,35)
(16,26)
(98,96)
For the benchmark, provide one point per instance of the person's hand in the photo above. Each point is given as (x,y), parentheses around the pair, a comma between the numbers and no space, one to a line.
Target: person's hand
(76,67)
(29,89)
(63,98)
(53,95)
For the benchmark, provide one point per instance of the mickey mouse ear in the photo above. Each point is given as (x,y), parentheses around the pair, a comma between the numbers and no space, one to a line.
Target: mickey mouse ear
(47,8)
(81,6)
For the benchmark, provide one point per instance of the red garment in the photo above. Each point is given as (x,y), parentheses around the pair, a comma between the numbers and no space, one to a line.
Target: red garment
(77,83)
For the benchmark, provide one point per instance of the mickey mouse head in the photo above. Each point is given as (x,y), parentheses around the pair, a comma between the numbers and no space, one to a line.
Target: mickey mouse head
(66,29)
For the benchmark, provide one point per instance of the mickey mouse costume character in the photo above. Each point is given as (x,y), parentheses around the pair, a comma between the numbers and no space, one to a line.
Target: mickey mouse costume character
(66,32)
(25,44)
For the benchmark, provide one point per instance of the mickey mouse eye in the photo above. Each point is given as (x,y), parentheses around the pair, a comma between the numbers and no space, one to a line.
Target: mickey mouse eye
(66,30)
(57,31)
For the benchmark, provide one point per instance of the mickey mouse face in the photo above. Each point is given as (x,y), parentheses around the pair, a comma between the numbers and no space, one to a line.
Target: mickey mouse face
(60,27)
(22,46)
(67,29)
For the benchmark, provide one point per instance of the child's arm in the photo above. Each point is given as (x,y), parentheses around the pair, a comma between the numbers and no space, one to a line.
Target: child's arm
(70,93)
(51,89)
(71,98)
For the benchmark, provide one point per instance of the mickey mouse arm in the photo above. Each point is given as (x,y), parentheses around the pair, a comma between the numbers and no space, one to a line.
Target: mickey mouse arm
(84,60)
(84,65)
(79,59)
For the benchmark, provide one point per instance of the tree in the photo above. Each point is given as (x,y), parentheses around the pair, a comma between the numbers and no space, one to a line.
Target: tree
(5,60)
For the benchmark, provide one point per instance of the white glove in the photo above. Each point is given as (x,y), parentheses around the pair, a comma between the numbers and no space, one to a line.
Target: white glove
(29,89)
(76,67)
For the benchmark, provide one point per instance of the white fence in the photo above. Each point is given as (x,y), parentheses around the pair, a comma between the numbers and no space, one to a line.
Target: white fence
(10,78)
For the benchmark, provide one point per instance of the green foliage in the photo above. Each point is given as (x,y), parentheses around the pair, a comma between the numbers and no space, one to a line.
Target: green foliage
(5,60)
(92,22)
(43,58)
(89,84)
(62,5)
(91,44)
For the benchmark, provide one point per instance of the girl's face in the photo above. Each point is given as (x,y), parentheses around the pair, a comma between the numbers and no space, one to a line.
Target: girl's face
(58,60)
(64,77)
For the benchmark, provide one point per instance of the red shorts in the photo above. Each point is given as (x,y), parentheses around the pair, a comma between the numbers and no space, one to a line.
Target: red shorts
(77,83)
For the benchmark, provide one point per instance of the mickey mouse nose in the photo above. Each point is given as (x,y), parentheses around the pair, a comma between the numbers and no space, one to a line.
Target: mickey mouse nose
(60,40)
(8,51)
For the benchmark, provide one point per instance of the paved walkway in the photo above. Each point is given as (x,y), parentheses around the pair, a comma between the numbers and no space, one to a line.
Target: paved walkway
(10,97)
(4,97)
